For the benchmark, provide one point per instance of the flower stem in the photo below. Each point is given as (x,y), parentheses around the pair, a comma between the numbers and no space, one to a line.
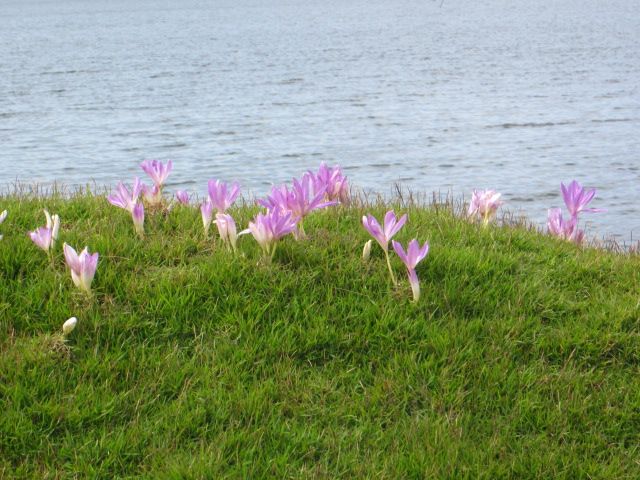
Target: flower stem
(393,277)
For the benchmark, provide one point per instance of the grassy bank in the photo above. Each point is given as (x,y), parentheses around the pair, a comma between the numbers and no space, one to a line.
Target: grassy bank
(521,359)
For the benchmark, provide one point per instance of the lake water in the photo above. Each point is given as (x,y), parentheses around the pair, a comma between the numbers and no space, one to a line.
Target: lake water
(513,95)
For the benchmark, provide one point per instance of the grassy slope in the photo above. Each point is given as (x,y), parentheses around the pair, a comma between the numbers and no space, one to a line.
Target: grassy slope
(521,359)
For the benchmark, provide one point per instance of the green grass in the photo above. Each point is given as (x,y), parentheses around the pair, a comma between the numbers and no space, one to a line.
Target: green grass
(521,359)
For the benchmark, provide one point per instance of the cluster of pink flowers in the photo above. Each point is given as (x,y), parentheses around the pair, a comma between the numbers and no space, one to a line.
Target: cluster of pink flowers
(576,198)
(82,266)
(383,235)
(286,207)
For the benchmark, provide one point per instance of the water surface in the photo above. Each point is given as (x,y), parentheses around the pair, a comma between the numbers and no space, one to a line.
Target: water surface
(511,95)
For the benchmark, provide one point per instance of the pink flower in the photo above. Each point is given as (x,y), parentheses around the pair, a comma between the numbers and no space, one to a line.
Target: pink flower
(45,237)
(332,182)
(152,195)
(268,228)
(83,266)
(124,198)
(206,210)
(484,204)
(411,258)
(157,171)
(564,229)
(221,195)
(42,238)
(576,198)
(182,197)
(383,235)
(391,226)
(138,218)
(227,229)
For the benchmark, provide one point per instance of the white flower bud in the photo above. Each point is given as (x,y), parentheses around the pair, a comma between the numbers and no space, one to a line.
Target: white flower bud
(69,325)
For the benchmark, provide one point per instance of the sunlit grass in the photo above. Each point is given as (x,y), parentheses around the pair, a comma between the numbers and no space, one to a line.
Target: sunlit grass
(520,360)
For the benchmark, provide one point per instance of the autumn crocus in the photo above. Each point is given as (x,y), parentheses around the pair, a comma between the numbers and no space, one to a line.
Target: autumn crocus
(332,182)
(268,228)
(564,229)
(383,235)
(206,210)
(182,197)
(83,266)
(3,215)
(45,237)
(414,254)
(125,198)
(157,171)
(69,326)
(484,204)
(137,215)
(222,195)
(227,229)
(301,200)
(576,198)
(42,238)
(152,195)
(366,250)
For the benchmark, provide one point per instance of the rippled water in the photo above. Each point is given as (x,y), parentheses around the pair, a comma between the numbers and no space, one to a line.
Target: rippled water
(512,95)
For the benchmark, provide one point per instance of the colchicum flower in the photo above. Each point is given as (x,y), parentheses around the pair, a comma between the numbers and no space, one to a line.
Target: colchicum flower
(42,238)
(69,325)
(366,251)
(152,195)
(268,228)
(332,182)
(383,235)
(124,198)
(227,229)
(138,218)
(301,200)
(3,216)
(221,195)
(182,197)
(564,229)
(484,204)
(45,237)
(411,258)
(576,198)
(206,209)
(157,171)
(83,266)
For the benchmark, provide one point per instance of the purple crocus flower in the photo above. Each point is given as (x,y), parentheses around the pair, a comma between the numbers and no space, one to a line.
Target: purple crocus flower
(411,258)
(45,237)
(157,171)
(391,226)
(564,229)
(124,198)
(152,195)
(576,198)
(484,204)
(138,218)
(42,237)
(83,266)
(221,195)
(227,229)
(268,228)
(332,182)
(383,235)
(182,197)
(206,210)
(278,199)
(301,200)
